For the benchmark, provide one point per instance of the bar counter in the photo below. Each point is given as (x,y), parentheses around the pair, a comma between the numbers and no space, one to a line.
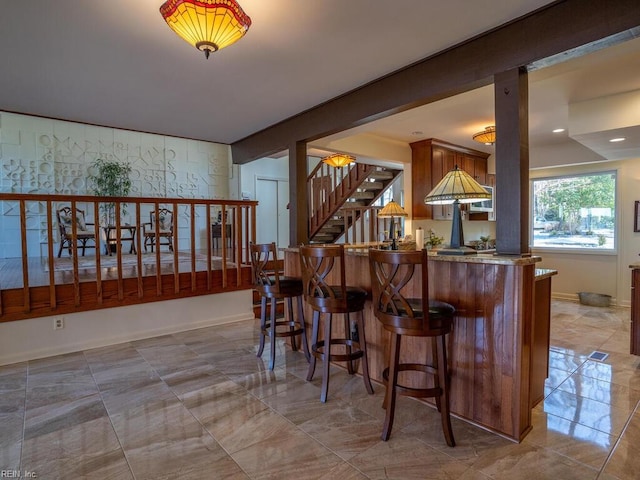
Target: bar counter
(498,351)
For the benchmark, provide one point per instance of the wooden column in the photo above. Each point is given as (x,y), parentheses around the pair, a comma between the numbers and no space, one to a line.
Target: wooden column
(298,202)
(512,162)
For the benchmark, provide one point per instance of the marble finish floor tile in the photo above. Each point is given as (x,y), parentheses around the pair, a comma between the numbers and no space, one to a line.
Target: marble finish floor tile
(165,441)
(570,439)
(200,404)
(585,411)
(624,464)
(87,450)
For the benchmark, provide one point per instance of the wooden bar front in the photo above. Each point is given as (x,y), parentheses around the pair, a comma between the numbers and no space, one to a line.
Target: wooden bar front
(491,346)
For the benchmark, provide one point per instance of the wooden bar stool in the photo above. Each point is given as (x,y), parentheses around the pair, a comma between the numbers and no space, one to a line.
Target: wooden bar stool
(402,312)
(269,282)
(325,291)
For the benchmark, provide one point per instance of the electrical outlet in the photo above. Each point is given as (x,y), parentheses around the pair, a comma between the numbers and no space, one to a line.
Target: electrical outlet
(58,322)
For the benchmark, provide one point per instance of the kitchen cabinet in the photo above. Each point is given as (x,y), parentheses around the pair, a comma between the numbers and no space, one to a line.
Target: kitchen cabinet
(431,159)
(541,332)
(635,310)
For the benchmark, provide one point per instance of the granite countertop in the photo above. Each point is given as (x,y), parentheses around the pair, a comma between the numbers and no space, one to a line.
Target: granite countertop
(362,249)
(545,273)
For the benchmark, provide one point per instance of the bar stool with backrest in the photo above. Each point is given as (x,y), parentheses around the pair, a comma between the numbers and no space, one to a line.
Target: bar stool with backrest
(326,292)
(403,313)
(270,283)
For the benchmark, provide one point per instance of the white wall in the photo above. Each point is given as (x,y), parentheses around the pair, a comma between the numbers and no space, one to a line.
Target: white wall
(35,338)
(41,155)
(270,225)
(606,273)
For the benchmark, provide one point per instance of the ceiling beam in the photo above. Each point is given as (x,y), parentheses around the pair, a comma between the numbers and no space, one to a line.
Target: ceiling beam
(561,30)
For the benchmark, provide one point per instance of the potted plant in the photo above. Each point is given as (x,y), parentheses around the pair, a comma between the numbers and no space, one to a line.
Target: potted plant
(110,179)
(433,241)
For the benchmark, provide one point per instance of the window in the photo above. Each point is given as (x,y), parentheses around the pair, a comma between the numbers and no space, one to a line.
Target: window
(576,212)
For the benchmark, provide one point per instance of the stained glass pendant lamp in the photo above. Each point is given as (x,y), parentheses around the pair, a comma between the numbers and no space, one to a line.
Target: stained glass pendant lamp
(487,136)
(208,25)
(339,160)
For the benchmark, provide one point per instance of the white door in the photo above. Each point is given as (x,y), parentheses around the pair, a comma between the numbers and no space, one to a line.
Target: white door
(272,223)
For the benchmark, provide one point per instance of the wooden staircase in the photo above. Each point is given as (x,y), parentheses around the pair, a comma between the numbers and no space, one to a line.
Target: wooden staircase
(340,197)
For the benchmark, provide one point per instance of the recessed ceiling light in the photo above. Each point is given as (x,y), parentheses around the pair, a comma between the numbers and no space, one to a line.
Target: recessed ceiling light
(619,139)
(417,133)
(558,130)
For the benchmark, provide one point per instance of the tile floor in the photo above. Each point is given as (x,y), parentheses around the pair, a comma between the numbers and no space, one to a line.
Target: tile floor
(199,404)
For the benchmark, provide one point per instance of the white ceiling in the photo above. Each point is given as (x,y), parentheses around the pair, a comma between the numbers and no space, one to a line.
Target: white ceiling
(116,63)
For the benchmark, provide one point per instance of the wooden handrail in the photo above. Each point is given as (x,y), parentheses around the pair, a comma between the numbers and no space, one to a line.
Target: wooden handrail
(91,285)
(329,188)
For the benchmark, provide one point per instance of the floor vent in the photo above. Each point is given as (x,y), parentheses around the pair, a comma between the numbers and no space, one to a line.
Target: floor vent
(598,356)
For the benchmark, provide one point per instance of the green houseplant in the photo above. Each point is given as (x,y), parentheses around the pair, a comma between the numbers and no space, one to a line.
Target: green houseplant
(110,179)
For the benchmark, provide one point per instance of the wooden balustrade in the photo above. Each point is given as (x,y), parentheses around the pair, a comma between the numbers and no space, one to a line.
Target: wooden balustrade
(35,282)
(328,188)
(362,224)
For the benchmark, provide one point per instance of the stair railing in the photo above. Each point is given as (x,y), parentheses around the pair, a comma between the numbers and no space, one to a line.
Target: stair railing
(362,225)
(329,187)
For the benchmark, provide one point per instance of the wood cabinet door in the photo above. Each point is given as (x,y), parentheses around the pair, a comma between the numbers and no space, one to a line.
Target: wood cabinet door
(635,312)
(420,179)
(431,159)
(443,160)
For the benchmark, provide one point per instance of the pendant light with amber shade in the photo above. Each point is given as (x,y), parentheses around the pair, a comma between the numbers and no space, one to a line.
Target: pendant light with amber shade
(339,160)
(208,25)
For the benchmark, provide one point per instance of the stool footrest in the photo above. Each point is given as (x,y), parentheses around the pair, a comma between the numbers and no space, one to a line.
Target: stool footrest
(416,392)
(317,350)
(287,333)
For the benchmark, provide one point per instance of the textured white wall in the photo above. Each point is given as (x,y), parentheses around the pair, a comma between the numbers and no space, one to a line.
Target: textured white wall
(41,155)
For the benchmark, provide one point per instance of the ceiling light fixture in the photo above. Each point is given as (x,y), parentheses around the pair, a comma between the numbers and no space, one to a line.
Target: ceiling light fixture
(339,160)
(558,130)
(208,25)
(487,136)
(619,139)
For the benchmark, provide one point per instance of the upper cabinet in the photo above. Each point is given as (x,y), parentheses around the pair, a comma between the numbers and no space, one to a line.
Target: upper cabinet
(431,159)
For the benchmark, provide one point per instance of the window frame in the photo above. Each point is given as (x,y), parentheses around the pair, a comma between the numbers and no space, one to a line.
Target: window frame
(577,250)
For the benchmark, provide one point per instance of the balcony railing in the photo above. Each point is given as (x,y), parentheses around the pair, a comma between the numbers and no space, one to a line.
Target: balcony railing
(203,249)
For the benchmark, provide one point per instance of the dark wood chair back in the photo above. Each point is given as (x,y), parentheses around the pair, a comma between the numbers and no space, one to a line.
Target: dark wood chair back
(163,222)
(397,303)
(323,279)
(268,275)
(66,222)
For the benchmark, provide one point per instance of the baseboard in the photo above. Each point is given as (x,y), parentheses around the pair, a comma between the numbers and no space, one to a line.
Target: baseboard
(573,297)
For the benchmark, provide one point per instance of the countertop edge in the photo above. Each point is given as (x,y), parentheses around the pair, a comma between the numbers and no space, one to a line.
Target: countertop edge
(478,258)
(542,273)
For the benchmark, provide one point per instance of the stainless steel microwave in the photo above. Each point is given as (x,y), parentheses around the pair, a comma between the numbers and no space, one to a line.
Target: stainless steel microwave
(484,205)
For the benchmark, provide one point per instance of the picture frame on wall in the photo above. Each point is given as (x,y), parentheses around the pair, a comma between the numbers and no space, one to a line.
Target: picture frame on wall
(636,216)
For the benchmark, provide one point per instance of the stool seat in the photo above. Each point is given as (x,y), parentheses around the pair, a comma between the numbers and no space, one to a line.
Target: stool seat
(402,314)
(270,284)
(438,318)
(326,292)
(354,300)
(288,287)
